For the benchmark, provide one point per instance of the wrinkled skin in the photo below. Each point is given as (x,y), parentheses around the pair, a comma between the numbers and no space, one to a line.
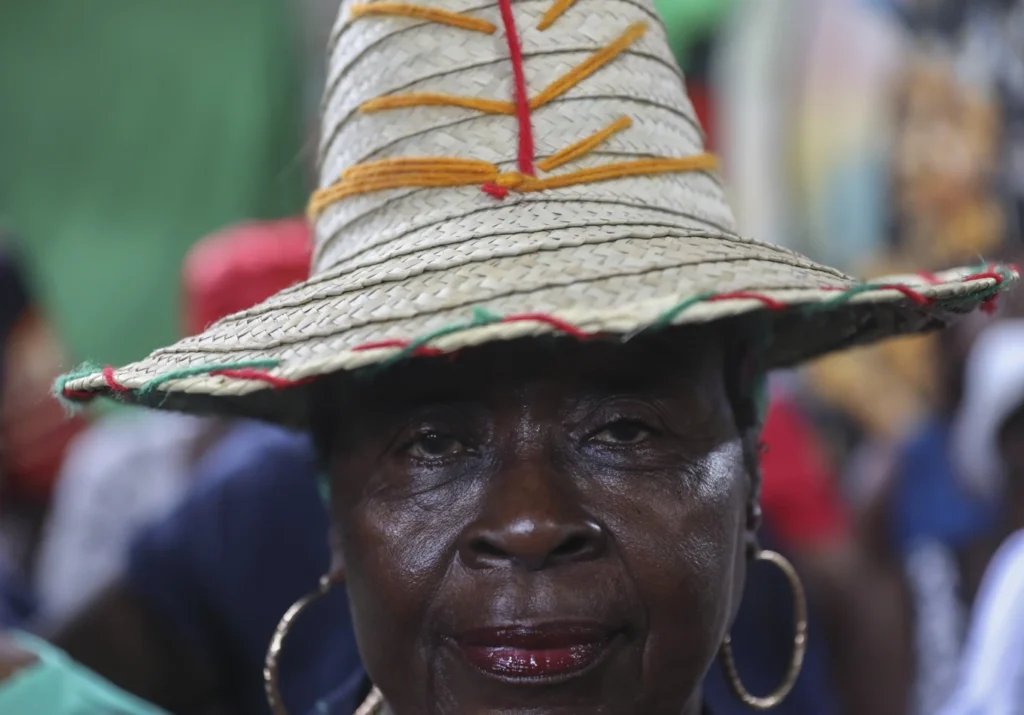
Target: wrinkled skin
(517,485)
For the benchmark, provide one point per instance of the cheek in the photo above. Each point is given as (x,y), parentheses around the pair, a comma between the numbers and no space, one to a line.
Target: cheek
(686,556)
(395,562)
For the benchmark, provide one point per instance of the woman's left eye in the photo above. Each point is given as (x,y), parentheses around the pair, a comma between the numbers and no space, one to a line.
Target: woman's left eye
(623,432)
(434,445)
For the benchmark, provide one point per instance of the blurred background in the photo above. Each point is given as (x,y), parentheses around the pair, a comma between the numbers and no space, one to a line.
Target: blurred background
(148,151)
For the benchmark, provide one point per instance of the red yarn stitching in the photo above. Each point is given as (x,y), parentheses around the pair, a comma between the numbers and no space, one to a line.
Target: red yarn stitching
(909,293)
(498,192)
(995,275)
(551,320)
(522,99)
(991,305)
(561,325)
(78,394)
(423,350)
(112,383)
(262,376)
(771,303)
(929,277)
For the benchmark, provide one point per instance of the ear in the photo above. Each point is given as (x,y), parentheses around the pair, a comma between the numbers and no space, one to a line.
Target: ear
(752,448)
(751,543)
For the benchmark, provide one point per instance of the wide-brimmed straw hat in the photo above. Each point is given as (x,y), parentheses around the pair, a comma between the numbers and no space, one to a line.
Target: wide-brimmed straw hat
(495,169)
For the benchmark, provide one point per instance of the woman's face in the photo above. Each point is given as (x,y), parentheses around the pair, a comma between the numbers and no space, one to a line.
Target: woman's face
(530,530)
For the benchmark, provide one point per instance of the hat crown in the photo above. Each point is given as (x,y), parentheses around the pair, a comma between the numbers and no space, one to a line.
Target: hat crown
(426,93)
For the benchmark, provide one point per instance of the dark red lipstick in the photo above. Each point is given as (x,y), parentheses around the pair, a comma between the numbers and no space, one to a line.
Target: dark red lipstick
(531,652)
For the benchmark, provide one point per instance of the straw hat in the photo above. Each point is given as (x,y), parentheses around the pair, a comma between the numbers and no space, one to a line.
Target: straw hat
(493,169)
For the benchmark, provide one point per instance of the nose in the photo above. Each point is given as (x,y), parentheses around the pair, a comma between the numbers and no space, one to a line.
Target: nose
(532,526)
(534,545)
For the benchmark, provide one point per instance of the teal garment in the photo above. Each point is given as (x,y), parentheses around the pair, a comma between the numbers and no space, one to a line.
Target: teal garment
(56,685)
(129,129)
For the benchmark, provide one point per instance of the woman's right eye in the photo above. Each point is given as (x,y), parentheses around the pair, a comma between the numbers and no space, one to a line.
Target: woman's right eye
(623,432)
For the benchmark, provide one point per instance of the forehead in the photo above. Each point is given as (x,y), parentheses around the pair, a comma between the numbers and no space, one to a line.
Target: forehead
(684,361)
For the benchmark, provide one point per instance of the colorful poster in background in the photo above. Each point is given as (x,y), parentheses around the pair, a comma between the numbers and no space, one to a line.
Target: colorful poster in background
(875,136)
(130,129)
(803,86)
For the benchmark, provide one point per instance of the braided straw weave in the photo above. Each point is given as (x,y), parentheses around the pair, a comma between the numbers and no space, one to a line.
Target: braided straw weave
(493,169)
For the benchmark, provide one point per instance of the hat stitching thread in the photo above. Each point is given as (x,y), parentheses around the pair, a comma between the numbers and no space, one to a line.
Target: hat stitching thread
(258,370)
(554,12)
(493,106)
(424,12)
(584,146)
(447,172)
(453,176)
(522,97)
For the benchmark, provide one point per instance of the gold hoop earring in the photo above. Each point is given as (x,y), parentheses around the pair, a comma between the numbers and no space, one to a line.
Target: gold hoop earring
(270,664)
(799,642)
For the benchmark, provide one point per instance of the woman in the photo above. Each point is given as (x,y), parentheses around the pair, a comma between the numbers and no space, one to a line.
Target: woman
(531,354)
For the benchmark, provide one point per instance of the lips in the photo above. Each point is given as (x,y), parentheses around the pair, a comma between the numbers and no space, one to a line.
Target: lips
(536,652)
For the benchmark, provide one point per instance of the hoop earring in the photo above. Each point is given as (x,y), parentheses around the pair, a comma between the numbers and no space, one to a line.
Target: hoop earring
(270,664)
(799,642)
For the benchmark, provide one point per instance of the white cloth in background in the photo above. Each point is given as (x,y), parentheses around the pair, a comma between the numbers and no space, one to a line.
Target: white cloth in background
(993,389)
(992,676)
(118,476)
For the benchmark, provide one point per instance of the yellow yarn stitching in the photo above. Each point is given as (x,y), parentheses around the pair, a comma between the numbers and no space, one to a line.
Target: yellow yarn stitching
(589,66)
(419,173)
(422,12)
(584,147)
(402,101)
(553,13)
(607,172)
(435,172)
(387,167)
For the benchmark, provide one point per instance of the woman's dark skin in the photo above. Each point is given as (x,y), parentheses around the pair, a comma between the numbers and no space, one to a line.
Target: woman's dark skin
(519,486)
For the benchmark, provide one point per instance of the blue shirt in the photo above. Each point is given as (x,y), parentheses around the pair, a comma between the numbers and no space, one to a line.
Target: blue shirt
(225,566)
(930,503)
(16,602)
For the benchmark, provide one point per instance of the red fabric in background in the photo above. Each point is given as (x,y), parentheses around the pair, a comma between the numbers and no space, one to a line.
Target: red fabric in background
(239,267)
(800,496)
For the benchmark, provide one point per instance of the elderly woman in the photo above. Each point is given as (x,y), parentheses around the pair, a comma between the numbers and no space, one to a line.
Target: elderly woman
(531,353)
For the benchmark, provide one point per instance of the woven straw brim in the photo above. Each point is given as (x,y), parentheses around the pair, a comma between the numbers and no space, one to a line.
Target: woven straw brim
(611,281)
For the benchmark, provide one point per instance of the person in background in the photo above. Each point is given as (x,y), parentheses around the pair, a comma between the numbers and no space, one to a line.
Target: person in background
(188,623)
(15,601)
(34,676)
(988,440)
(100,500)
(930,535)
(34,429)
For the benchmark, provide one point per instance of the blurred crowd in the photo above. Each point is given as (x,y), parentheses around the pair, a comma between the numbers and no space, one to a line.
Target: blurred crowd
(155,161)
